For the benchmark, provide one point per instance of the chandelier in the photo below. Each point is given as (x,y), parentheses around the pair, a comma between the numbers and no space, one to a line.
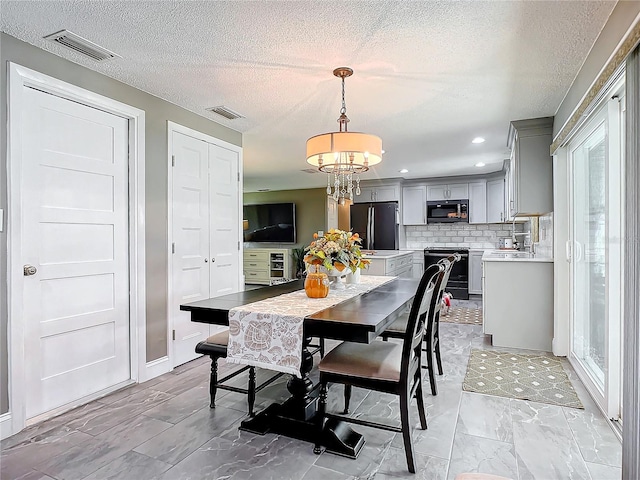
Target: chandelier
(343,154)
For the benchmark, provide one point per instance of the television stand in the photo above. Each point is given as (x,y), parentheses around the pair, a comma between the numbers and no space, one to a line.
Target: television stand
(267,266)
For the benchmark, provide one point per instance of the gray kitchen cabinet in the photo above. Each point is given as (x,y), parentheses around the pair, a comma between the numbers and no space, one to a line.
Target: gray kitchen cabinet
(475,271)
(454,191)
(531,167)
(414,205)
(399,264)
(496,201)
(383,193)
(417,264)
(517,313)
(478,202)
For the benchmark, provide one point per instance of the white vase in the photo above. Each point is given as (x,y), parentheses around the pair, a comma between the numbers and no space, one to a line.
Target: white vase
(353,277)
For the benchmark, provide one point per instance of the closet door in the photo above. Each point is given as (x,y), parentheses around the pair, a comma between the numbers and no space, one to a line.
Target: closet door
(190,242)
(224,214)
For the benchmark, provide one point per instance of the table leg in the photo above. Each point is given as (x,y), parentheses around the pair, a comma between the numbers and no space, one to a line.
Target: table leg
(303,401)
(296,417)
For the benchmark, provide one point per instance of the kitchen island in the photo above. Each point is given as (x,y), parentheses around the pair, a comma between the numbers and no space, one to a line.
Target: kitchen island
(389,262)
(518,299)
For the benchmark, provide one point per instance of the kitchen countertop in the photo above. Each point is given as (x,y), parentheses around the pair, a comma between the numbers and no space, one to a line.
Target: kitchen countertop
(513,256)
(385,253)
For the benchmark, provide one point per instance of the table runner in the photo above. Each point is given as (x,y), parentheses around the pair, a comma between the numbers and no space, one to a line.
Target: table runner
(268,333)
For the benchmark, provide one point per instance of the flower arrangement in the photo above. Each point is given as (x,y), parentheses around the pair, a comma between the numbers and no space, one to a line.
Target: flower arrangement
(336,249)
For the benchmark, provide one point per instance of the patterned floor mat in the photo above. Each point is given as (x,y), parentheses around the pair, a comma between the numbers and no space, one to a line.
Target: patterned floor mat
(467,315)
(537,378)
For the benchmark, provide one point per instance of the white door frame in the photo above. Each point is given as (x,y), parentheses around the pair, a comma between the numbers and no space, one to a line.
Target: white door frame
(609,108)
(19,78)
(176,127)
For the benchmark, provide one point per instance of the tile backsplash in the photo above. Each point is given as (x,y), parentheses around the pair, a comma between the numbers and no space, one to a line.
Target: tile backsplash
(463,235)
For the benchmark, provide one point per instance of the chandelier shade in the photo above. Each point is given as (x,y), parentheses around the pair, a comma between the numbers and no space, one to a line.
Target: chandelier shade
(344,154)
(337,151)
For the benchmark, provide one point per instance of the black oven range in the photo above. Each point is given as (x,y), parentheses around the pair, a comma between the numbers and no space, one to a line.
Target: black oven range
(458,284)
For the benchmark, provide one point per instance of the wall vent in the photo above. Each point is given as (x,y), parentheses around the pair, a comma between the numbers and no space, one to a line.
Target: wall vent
(225,112)
(310,170)
(81,45)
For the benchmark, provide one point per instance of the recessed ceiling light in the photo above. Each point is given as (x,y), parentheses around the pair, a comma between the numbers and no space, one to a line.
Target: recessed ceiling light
(478,140)
(480,164)
(404,170)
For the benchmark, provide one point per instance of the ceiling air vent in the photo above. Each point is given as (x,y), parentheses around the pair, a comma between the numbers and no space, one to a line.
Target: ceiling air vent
(81,45)
(310,170)
(225,112)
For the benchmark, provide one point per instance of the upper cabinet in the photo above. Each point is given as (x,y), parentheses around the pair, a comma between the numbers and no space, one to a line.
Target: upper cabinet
(383,193)
(530,175)
(414,205)
(495,201)
(455,191)
(478,202)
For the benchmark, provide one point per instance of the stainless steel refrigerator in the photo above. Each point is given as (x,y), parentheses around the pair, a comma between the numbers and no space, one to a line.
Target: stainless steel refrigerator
(377,224)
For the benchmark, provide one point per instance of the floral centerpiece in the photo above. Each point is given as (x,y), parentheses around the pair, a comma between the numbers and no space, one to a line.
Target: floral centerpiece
(336,249)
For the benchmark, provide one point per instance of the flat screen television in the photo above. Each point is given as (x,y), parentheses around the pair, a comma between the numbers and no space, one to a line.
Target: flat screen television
(270,222)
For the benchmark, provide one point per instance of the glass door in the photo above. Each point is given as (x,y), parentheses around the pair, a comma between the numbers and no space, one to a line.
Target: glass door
(588,266)
(596,217)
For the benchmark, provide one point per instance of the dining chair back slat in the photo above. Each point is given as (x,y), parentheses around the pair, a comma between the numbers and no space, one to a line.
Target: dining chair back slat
(420,308)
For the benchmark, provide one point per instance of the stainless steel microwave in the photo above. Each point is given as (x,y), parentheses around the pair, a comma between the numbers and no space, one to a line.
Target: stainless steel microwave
(448,211)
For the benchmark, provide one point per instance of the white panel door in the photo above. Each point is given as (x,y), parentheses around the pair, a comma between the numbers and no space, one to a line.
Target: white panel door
(224,204)
(75,222)
(190,237)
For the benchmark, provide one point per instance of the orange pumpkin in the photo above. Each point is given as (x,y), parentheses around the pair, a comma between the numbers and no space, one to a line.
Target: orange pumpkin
(313,261)
(316,285)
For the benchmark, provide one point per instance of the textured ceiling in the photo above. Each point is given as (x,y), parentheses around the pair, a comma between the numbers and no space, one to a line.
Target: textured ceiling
(429,75)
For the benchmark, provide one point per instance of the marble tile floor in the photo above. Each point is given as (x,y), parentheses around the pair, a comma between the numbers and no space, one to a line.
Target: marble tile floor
(163,430)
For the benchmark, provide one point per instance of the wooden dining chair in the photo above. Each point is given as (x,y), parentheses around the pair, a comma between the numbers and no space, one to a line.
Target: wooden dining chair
(383,367)
(216,347)
(432,339)
(432,333)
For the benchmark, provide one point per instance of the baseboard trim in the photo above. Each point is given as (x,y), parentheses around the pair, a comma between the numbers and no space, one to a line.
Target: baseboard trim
(155,368)
(6,428)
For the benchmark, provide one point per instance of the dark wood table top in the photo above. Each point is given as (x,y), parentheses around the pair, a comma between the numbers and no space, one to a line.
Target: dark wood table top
(359,319)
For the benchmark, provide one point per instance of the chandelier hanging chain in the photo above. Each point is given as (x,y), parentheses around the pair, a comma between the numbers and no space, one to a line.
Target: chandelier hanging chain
(343,110)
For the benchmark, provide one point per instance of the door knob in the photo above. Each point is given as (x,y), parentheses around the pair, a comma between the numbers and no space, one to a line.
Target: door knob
(29,270)
(206,260)
(213,259)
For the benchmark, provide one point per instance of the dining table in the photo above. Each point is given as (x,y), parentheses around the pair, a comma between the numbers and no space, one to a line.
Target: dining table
(361,318)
